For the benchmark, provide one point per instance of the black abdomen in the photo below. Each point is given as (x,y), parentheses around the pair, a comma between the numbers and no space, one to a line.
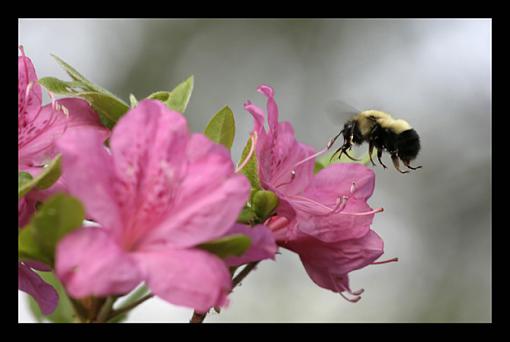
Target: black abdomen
(408,145)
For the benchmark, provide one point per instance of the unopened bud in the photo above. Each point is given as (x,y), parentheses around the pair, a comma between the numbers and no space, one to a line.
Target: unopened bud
(264,203)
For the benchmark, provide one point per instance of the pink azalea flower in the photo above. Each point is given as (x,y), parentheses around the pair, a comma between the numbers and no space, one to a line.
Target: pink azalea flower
(38,128)
(325,217)
(158,193)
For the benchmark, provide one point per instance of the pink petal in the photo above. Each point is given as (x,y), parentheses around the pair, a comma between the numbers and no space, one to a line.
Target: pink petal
(263,245)
(321,212)
(31,283)
(190,277)
(37,141)
(258,116)
(338,178)
(90,263)
(29,100)
(149,152)
(284,223)
(272,107)
(277,166)
(88,171)
(329,263)
(278,151)
(209,199)
(352,222)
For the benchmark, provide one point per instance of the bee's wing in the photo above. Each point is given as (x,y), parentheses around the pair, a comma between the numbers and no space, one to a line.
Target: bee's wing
(340,111)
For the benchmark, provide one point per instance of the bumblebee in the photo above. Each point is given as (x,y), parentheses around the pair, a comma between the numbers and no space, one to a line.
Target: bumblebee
(381,131)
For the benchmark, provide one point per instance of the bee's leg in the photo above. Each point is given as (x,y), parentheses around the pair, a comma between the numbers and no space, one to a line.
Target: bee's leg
(370,151)
(340,149)
(348,156)
(411,167)
(396,163)
(379,155)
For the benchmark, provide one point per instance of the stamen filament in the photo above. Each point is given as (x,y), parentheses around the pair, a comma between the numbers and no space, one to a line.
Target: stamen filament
(324,150)
(352,300)
(253,139)
(338,208)
(340,288)
(375,211)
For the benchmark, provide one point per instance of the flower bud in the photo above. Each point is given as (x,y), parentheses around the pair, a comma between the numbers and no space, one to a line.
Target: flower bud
(264,203)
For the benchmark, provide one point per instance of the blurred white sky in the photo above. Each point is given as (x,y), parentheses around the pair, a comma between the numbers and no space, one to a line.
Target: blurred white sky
(434,73)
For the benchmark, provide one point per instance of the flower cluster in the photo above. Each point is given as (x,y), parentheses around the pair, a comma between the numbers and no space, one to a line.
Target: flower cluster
(166,208)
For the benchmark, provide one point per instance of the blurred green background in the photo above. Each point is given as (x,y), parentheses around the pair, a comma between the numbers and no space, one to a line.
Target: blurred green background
(435,73)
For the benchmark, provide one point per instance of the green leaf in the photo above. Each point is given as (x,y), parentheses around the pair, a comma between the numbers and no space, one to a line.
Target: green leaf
(64,313)
(221,128)
(59,87)
(58,216)
(44,180)
(73,73)
(85,83)
(250,169)
(133,100)
(29,248)
(109,108)
(319,165)
(178,98)
(233,245)
(162,96)
(24,178)
(180,95)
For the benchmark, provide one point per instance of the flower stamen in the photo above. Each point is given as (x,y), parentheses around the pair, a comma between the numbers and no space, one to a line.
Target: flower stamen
(253,139)
(315,155)
(384,261)
(341,288)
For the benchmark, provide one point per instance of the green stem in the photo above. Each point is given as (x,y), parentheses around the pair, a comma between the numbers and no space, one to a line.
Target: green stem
(120,311)
(80,311)
(245,271)
(106,310)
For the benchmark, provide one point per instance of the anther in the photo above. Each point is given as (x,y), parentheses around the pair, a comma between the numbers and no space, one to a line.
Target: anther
(340,288)
(352,300)
(375,211)
(384,261)
(29,88)
(65,110)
